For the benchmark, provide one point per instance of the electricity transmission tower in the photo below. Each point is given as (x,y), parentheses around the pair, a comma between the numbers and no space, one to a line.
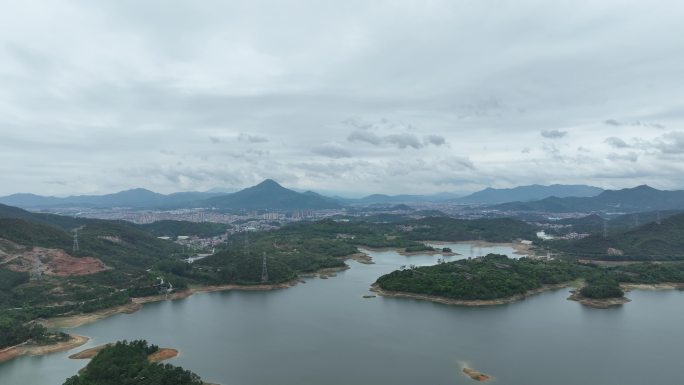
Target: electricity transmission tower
(75,246)
(264,269)
(605,228)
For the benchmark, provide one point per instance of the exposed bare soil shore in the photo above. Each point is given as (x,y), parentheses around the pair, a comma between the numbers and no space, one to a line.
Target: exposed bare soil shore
(361,257)
(401,251)
(82,319)
(459,302)
(162,354)
(39,350)
(652,286)
(597,303)
(158,356)
(475,375)
(136,303)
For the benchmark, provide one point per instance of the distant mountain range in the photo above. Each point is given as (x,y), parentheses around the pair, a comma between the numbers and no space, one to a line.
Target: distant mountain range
(395,199)
(529,193)
(138,198)
(266,195)
(641,198)
(269,195)
(487,196)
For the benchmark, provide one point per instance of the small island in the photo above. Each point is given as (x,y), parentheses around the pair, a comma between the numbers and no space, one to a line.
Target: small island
(131,362)
(496,279)
(600,291)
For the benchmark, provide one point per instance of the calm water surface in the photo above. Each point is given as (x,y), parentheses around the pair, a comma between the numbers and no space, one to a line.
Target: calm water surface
(323,332)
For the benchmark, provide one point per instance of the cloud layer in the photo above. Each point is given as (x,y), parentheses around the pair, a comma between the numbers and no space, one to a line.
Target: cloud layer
(347,97)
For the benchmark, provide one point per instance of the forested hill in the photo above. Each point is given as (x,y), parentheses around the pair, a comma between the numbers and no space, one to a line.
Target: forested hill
(59,221)
(117,243)
(485,278)
(270,195)
(173,228)
(594,223)
(652,241)
(498,277)
(641,198)
(450,229)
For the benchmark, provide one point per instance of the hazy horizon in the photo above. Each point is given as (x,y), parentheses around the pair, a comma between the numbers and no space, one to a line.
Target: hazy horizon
(401,97)
(322,192)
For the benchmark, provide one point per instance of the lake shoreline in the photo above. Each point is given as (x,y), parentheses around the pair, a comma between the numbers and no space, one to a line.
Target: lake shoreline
(25,349)
(76,320)
(520,248)
(461,302)
(402,251)
(162,354)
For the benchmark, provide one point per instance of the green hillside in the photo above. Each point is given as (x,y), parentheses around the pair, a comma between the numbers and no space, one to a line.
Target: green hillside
(269,195)
(172,228)
(652,241)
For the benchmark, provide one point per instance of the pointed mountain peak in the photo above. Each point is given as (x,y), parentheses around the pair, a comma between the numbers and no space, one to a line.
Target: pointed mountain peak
(269,186)
(269,183)
(644,187)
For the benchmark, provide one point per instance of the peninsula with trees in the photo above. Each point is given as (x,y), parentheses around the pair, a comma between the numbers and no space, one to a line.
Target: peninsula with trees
(496,279)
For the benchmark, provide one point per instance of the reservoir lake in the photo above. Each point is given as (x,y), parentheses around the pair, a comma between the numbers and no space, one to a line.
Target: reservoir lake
(324,332)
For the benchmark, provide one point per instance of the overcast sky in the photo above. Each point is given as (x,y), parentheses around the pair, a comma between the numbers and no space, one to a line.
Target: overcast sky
(347,97)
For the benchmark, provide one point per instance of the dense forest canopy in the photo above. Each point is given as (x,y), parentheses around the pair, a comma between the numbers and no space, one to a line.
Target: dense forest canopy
(661,240)
(497,276)
(127,363)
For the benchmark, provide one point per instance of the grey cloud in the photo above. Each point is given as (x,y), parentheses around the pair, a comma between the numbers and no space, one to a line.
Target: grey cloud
(335,169)
(553,134)
(670,143)
(331,150)
(240,64)
(436,140)
(617,142)
(459,163)
(365,136)
(403,140)
(638,123)
(252,138)
(631,157)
